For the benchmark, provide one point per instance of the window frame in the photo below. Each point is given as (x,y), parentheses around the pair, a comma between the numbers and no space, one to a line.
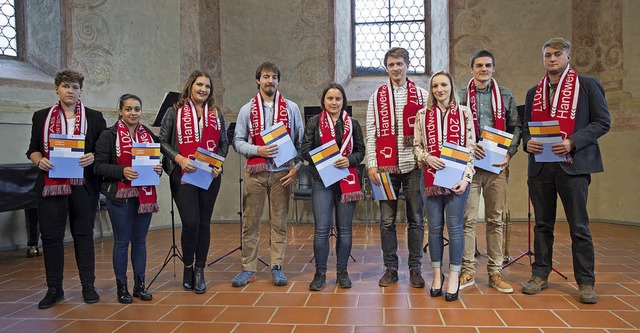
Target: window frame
(426,41)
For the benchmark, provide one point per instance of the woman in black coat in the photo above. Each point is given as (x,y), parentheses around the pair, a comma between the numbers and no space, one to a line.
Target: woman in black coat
(130,207)
(193,122)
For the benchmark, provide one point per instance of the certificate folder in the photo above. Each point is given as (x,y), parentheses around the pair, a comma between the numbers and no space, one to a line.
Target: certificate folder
(277,134)
(323,158)
(65,151)
(145,156)
(204,161)
(385,190)
(495,143)
(455,159)
(547,133)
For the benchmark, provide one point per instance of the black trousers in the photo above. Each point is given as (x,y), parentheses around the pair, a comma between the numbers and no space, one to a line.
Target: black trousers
(195,206)
(80,207)
(573,190)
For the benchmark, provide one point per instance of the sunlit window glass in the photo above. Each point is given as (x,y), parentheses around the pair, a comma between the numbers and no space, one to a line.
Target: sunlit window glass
(382,24)
(8,31)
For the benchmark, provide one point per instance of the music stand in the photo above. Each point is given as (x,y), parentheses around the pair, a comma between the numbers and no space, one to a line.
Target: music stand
(168,101)
(310,111)
(230,134)
(170,98)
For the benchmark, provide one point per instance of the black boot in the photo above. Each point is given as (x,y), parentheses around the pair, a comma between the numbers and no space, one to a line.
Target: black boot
(53,296)
(123,292)
(139,290)
(199,284)
(89,294)
(187,278)
(343,279)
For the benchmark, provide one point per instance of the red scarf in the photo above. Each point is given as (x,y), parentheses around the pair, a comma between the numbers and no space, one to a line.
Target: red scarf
(257,164)
(497,105)
(146,194)
(454,131)
(564,103)
(350,185)
(188,129)
(56,123)
(385,122)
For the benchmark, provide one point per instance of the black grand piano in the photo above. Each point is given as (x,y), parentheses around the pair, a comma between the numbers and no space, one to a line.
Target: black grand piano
(17,182)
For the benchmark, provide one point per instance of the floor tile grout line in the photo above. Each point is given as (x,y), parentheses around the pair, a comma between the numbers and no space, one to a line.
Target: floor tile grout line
(623,320)
(553,311)
(575,306)
(500,318)
(67,325)
(168,312)
(618,297)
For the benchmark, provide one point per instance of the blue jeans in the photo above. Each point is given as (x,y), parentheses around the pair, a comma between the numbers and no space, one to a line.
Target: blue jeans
(450,207)
(411,184)
(324,200)
(129,227)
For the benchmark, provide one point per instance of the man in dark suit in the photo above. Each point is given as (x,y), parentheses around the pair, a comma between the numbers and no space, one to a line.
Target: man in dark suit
(577,102)
(59,198)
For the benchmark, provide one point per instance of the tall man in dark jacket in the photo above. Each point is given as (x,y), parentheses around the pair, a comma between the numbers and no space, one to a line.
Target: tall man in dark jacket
(578,103)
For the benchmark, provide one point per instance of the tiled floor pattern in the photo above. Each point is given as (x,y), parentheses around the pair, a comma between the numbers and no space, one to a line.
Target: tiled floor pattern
(365,308)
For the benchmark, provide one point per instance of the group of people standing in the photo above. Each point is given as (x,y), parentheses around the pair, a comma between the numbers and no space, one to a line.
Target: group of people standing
(406,127)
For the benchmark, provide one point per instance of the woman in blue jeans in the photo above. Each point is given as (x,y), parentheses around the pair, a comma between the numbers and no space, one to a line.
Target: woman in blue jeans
(444,120)
(333,123)
(130,207)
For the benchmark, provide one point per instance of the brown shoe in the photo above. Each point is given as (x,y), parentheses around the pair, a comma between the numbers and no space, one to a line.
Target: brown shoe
(499,283)
(415,278)
(467,280)
(586,294)
(534,286)
(389,277)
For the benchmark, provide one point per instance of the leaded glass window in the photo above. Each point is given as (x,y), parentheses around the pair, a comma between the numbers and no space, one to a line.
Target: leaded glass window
(8,29)
(382,24)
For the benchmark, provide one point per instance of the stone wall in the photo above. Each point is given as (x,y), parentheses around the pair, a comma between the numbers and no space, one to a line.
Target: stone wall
(149,47)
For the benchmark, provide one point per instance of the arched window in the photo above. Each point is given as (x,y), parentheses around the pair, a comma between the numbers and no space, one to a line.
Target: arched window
(379,25)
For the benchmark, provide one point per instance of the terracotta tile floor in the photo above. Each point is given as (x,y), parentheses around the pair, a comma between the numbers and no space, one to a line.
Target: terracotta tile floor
(365,308)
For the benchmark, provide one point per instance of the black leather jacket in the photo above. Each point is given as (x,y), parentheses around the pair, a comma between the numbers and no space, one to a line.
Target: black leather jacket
(169,144)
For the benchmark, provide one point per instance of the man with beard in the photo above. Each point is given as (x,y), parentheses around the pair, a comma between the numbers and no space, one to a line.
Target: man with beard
(577,102)
(262,178)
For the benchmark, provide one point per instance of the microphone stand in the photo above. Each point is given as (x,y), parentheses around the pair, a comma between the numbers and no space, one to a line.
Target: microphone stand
(174,252)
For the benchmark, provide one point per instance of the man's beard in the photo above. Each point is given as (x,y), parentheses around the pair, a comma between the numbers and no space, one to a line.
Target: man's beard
(269,93)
